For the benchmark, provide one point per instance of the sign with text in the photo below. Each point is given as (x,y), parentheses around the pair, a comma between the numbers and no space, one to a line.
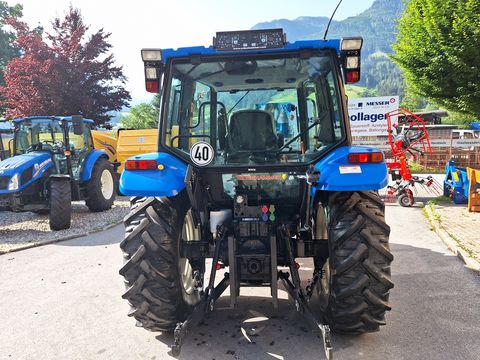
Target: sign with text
(367,115)
(435,143)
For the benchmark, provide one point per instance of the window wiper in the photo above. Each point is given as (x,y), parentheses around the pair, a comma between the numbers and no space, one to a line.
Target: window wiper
(316,122)
(238,102)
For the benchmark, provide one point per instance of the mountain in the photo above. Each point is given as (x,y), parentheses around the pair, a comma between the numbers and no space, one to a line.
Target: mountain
(377,26)
(302,28)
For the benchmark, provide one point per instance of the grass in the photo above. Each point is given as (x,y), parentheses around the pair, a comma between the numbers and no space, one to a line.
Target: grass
(355,91)
(430,208)
(417,168)
(432,216)
(440,200)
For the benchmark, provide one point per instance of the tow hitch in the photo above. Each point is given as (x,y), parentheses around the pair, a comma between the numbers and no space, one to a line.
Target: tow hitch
(211,294)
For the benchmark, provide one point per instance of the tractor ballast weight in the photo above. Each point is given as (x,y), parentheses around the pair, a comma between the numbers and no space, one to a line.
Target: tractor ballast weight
(53,163)
(254,169)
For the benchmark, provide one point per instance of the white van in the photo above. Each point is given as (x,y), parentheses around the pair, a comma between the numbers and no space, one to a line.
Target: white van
(465,134)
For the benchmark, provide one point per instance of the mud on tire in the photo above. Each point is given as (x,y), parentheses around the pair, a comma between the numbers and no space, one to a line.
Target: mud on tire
(155,290)
(353,295)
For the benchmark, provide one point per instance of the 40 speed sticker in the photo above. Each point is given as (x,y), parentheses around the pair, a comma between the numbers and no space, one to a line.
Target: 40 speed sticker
(201,153)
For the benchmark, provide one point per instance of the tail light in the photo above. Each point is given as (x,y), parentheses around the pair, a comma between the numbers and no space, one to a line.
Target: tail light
(152,86)
(352,76)
(141,165)
(370,157)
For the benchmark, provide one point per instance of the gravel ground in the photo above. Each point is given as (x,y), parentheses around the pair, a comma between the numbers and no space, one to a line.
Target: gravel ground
(21,230)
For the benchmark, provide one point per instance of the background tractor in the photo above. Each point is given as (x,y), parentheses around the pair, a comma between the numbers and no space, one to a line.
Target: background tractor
(54,162)
(6,132)
(255,169)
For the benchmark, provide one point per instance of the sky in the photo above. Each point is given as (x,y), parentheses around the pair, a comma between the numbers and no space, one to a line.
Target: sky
(175,23)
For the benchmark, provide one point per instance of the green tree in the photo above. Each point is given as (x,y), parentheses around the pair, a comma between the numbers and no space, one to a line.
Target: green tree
(7,48)
(7,37)
(142,116)
(438,49)
(381,74)
(68,70)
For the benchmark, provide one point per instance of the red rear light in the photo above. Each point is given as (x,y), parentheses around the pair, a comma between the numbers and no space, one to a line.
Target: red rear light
(141,165)
(152,86)
(374,157)
(377,157)
(352,76)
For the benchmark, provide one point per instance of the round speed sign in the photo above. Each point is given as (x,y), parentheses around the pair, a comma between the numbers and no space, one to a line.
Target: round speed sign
(201,153)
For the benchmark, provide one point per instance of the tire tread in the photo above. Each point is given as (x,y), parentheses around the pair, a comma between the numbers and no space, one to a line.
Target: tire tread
(360,262)
(153,288)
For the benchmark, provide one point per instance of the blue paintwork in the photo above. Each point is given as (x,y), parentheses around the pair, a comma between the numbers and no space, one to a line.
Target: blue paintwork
(90,161)
(170,181)
(59,118)
(456,183)
(373,176)
(208,51)
(41,161)
(166,182)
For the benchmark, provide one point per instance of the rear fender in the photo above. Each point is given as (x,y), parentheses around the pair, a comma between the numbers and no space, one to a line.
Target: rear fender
(337,174)
(90,161)
(167,182)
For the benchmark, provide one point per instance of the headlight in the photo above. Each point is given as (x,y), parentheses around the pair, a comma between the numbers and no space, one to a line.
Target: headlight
(13,183)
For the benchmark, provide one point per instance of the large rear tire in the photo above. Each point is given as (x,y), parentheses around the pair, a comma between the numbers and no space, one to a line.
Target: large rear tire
(60,204)
(101,188)
(160,287)
(351,291)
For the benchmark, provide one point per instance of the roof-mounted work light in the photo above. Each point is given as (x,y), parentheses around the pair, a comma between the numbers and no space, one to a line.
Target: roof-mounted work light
(350,58)
(151,55)
(349,44)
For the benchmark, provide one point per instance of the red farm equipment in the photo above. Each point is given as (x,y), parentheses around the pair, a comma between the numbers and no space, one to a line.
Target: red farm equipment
(407,134)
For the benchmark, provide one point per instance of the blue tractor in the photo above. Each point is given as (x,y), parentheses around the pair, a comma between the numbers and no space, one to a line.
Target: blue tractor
(53,163)
(227,185)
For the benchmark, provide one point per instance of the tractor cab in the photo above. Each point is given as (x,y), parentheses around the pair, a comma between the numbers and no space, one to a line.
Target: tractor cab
(252,99)
(67,140)
(6,133)
(252,103)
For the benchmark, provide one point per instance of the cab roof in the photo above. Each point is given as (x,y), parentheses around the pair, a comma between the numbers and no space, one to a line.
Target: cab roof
(59,118)
(333,44)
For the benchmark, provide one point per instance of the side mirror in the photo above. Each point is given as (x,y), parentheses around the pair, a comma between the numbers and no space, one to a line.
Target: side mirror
(78,125)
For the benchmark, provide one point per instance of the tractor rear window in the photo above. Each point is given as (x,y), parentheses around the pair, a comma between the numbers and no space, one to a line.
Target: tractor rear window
(264,111)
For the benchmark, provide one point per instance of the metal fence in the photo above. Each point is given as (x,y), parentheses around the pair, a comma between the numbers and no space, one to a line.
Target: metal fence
(465,152)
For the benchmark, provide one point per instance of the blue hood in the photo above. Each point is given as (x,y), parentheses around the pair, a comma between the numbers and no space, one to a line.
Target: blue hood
(37,161)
